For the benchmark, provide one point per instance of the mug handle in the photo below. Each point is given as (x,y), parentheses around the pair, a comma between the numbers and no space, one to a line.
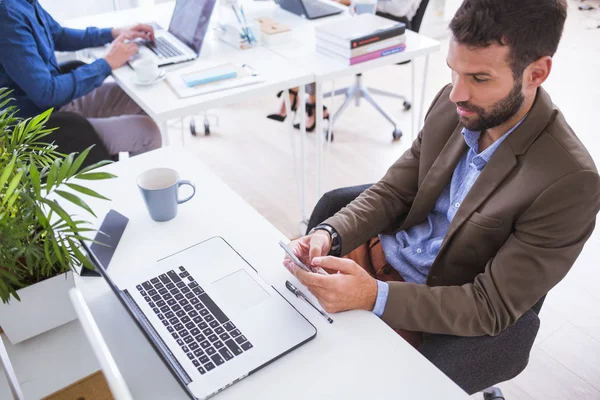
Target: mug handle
(189,183)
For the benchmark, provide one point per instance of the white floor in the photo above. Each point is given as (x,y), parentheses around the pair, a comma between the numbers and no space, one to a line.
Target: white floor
(252,154)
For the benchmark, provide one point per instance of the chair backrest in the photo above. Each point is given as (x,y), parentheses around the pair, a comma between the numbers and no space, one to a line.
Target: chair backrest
(415,22)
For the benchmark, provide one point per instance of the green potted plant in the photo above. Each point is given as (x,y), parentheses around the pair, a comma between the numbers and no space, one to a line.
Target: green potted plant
(39,240)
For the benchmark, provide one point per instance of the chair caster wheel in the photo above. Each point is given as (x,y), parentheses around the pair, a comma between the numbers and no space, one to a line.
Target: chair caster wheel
(493,393)
(407,105)
(327,138)
(193,127)
(396,135)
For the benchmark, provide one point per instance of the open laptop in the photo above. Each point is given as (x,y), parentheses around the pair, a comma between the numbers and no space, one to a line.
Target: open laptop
(310,9)
(209,315)
(113,376)
(185,36)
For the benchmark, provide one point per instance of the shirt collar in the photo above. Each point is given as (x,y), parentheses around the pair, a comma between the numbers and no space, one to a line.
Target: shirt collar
(472,139)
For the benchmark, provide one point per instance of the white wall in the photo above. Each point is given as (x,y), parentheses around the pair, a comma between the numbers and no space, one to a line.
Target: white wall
(62,10)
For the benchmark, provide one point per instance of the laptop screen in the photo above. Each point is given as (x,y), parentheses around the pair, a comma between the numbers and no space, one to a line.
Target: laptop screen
(190,22)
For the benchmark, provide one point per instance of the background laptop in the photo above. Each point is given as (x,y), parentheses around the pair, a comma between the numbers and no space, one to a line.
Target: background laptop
(185,37)
(310,9)
(209,315)
(113,376)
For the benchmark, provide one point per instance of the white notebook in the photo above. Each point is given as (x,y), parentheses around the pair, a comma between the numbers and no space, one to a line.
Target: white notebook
(245,76)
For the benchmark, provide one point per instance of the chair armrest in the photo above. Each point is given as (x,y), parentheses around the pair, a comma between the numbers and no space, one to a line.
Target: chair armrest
(69,66)
(476,363)
(332,202)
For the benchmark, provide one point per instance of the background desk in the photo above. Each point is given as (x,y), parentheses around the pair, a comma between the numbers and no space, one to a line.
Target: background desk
(161,103)
(295,63)
(356,357)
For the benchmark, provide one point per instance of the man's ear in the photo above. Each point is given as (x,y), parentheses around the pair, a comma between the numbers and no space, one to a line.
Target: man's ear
(537,72)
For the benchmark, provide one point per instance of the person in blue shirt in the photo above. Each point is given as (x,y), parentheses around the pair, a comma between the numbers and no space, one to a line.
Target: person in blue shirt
(29,37)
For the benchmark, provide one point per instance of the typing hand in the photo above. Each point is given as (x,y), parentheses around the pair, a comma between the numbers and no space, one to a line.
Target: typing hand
(308,247)
(344,2)
(120,52)
(350,288)
(143,31)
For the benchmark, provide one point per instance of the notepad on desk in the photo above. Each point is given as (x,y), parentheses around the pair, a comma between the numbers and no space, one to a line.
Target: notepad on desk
(202,79)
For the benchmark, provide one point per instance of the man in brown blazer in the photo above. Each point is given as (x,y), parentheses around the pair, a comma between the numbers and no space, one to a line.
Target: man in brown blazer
(489,208)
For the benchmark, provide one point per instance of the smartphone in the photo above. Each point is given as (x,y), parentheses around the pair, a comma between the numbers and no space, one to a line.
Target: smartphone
(294,258)
(289,252)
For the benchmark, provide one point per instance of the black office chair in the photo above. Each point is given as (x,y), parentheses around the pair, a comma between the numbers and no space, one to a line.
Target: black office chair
(358,90)
(74,132)
(473,363)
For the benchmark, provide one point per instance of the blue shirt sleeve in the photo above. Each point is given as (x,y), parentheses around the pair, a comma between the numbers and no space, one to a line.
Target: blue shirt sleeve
(24,65)
(67,39)
(382,295)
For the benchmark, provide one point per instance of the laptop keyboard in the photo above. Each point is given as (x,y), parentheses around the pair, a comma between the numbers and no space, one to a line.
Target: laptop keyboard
(201,329)
(163,48)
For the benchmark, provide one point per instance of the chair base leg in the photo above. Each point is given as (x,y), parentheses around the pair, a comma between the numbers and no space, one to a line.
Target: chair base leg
(359,91)
(493,393)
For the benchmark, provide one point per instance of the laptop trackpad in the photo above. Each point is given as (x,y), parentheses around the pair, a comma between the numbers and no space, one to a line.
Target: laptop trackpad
(238,291)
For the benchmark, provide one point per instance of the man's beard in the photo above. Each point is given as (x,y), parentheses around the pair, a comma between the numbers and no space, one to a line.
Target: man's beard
(500,112)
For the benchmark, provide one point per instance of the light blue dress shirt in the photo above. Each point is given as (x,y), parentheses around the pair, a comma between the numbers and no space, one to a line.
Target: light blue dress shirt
(412,252)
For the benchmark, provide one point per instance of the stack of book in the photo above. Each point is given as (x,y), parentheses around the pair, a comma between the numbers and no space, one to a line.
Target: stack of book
(361,38)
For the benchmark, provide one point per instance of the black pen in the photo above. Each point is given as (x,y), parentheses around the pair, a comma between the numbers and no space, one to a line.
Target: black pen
(301,295)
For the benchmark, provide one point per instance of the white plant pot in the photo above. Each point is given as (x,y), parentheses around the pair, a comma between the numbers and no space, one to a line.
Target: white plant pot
(43,306)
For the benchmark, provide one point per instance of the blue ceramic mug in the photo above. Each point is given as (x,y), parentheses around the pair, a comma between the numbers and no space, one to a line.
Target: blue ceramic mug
(160,190)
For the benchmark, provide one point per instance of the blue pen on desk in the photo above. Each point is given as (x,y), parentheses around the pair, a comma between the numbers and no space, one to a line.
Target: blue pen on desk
(302,296)
(249,31)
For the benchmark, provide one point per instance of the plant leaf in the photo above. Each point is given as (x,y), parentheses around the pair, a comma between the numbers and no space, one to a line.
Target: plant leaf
(87,191)
(52,175)
(52,239)
(36,182)
(75,200)
(95,166)
(78,161)
(60,211)
(79,255)
(64,168)
(95,176)
(12,186)
(11,277)
(7,171)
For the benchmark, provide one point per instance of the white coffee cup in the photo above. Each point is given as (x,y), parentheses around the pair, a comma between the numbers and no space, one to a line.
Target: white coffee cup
(146,70)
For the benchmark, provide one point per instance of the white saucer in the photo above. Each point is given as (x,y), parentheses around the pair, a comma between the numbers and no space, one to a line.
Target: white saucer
(159,78)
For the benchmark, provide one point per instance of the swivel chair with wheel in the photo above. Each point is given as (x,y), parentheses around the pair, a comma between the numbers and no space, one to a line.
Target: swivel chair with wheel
(359,90)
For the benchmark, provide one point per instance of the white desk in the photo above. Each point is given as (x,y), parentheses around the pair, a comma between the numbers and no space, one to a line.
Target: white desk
(356,357)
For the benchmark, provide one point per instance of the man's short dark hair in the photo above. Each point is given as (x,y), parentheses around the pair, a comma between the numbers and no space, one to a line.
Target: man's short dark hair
(531,28)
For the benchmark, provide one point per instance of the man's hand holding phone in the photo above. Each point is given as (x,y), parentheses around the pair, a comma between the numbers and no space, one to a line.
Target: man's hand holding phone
(300,252)
(347,287)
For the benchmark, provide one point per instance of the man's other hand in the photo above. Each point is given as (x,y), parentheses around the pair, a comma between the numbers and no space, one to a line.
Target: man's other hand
(120,52)
(143,31)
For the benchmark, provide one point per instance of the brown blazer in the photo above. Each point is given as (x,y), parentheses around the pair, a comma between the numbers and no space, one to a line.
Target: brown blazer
(515,236)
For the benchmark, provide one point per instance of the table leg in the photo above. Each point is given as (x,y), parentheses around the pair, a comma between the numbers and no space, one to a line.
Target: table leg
(413,128)
(420,122)
(183,131)
(164,132)
(302,112)
(299,171)
(319,133)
